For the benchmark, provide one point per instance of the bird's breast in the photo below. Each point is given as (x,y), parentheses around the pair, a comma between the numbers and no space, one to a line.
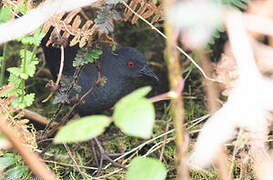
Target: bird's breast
(103,97)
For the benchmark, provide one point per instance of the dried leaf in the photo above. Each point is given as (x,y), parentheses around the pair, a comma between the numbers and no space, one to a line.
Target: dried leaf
(146,9)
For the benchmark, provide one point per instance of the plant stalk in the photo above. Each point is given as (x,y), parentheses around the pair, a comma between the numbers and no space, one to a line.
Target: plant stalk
(177,105)
(3,65)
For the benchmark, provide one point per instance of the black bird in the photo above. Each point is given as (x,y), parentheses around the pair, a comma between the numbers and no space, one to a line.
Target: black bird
(121,68)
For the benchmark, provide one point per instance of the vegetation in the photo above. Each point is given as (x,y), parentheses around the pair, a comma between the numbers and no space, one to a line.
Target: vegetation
(144,125)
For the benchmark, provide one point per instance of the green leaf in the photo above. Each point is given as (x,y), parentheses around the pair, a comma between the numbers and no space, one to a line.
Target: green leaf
(141,92)
(38,36)
(17,72)
(28,99)
(34,39)
(5,14)
(6,162)
(13,79)
(31,62)
(16,172)
(83,129)
(3,143)
(135,115)
(146,168)
(93,55)
(23,101)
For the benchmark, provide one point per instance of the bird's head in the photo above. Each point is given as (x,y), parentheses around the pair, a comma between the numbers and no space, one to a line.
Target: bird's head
(133,63)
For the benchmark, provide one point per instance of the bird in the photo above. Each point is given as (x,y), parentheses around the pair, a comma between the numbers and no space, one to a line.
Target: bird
(121,68)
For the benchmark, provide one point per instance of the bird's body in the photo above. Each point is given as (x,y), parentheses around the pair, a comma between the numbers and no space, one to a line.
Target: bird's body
(121,68)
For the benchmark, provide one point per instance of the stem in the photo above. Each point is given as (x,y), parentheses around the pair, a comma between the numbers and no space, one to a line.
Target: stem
(24,61)
(3,64)
(34,52)
(177,105)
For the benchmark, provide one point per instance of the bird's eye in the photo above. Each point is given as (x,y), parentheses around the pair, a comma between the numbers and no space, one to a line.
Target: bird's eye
(131,64)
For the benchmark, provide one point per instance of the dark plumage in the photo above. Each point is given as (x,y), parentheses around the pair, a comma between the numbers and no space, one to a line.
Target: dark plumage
(121,68)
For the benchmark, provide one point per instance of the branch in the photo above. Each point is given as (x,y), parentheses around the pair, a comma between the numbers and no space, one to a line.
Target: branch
(32,160)
(37,17)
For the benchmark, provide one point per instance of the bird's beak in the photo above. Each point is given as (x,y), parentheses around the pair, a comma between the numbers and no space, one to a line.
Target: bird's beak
(146,71)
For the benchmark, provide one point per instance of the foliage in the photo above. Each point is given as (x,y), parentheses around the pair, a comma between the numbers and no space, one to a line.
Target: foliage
(70,26)
(85,56)
(83,32)
(237,4)
(83,129)
(146,9)
(5,14)
(146,168)
(12,164)
(105,19)
(27,68)
(133,114)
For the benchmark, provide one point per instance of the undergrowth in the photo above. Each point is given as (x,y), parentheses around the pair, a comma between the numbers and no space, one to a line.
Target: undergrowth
(136,36)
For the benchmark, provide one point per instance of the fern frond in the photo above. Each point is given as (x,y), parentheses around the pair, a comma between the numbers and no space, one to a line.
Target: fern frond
(71,25)
(146,9)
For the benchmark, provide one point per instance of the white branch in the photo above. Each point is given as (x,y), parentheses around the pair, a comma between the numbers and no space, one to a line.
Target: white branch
(36,17)
(247,106)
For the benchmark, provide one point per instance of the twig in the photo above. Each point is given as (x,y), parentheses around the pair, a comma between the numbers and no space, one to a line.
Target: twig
(158,146)
(139,147)
(32,160)
(75,79)
(59,75)
(74,161)
(36,117)
(212,95)
(67,115)
(170,94)
(177,106)
(164,142)
(69,165)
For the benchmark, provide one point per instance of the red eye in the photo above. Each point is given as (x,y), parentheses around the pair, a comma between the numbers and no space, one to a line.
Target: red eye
(131,64)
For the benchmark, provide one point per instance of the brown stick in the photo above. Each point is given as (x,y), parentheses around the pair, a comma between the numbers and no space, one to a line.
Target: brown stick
(36,117)
(212,94)
(32,159)
(177,106)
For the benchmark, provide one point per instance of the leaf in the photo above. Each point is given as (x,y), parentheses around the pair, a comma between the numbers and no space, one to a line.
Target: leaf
(28,99)
(146,168)
(113,1)
(13,79)
(141,92)
(16,172)
(135,115)
(34,39)
(3,143)
(5,14)
(6,162)
(17,72)
(83,129)
(93,55)
(31,62)
(23,101)
(105,19)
